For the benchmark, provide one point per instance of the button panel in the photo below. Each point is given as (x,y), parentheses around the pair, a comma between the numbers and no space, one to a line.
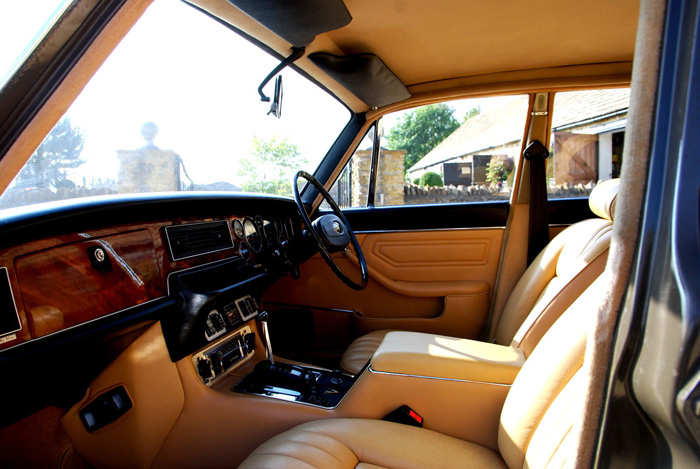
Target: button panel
(214,362)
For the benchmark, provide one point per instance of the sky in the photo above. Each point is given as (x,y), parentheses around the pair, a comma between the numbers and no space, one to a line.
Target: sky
(198,81)
(195,79)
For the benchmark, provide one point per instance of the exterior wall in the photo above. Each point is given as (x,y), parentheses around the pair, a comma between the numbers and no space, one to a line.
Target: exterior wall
(390,177)
(511,149)
(584,153)
(148,169)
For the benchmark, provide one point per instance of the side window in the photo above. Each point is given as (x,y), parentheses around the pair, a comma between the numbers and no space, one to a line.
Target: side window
(459,151)
(588,135)
(351,187)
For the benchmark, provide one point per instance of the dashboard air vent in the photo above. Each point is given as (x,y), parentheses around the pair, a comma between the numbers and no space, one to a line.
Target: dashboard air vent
(197,238)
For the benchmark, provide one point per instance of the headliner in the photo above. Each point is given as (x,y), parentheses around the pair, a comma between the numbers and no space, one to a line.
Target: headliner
(439,44)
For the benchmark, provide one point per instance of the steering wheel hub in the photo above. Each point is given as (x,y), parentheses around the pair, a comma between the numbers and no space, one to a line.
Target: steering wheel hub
(332,232)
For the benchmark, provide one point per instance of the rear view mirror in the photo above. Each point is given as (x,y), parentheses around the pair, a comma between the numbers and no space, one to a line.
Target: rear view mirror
(276,106)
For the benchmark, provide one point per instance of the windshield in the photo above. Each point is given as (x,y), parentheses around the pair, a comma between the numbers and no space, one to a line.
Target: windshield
(175,108)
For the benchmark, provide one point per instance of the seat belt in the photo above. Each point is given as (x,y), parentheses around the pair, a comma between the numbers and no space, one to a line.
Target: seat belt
(538,227)
(537,153)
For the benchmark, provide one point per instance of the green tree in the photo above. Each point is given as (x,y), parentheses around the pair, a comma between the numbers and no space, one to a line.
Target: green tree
(498,170)
(420,130)
(473,112)
(431,179)
(271,166)
(60,151)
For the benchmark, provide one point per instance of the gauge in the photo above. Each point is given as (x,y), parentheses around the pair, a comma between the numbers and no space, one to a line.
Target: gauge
(289,228)
(260,227)
(238,229)
(251,235)
(270,234)
(244,250)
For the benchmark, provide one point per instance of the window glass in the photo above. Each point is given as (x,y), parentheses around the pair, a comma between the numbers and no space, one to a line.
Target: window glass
(22,26)
(351,187)
(176,108)
(460,151)
(588,135)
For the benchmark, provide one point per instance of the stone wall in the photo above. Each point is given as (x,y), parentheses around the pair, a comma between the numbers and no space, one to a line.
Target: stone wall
(417,195)
(390,177)
(148,169)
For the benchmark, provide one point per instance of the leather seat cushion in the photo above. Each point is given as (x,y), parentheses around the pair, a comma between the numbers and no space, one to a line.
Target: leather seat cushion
(350,443)
(361,349)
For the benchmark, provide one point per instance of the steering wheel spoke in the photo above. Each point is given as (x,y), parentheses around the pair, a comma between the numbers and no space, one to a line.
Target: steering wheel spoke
(331,232)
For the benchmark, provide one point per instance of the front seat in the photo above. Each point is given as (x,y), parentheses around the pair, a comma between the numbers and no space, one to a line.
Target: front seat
(535,429)
(557,276)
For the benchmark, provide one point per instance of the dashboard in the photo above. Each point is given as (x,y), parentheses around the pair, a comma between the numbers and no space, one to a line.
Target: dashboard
(198,262)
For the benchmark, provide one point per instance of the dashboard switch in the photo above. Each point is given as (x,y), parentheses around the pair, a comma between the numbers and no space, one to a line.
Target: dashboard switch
(105,409)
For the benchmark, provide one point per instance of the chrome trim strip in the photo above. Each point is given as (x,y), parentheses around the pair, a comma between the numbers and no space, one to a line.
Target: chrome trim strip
(14,303)
(37,339)
(435,378)
(313,307)
(502,228)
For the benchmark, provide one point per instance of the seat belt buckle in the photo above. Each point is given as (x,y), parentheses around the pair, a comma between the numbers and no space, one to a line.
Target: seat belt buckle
(405,415)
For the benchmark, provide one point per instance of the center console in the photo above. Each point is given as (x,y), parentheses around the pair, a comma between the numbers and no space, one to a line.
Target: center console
(302,384)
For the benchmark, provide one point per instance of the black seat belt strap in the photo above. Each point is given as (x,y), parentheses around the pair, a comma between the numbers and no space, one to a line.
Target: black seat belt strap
(538,237)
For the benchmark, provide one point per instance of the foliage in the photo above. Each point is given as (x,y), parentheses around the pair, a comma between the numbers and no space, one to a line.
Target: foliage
(431,179)
(420,130)
(473,112)
(60,151)
(498,170)
(271,166)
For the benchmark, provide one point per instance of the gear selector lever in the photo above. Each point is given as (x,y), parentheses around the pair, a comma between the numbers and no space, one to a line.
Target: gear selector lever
(263,317)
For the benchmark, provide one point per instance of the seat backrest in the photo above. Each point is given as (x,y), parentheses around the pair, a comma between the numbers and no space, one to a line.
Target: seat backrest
(559,274)
(544,402)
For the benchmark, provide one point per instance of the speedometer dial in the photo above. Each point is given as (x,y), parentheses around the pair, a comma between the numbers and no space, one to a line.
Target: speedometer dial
(251,235)
(238,229)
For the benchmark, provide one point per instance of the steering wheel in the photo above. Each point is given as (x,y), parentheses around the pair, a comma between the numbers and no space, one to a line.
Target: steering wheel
(331,232)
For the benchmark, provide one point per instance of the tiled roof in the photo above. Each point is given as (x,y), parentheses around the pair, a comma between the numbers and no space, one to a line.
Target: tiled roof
(579,106)
(505,124)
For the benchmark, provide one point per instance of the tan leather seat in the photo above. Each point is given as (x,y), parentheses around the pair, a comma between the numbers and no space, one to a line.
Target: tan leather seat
(559,274)
(535,424)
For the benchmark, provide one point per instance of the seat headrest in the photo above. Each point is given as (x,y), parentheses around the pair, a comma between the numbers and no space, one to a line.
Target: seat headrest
(603,197)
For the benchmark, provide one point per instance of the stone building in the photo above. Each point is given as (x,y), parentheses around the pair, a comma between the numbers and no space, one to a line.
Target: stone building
(587,137)
(351,188)
(148,169)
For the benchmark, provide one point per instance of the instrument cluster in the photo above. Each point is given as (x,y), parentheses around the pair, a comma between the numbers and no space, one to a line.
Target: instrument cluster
(259,234)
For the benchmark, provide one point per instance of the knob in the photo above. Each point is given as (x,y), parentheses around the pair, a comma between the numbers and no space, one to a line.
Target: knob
(204,369)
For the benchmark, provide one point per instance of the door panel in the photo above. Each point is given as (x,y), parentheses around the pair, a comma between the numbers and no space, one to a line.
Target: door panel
(438,281)
(434,257)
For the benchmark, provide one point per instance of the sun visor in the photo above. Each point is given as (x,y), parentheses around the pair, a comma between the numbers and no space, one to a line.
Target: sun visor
(365,76)
(297,21)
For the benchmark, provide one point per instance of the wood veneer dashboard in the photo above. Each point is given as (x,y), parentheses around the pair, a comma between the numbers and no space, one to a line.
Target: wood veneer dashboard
(61,286)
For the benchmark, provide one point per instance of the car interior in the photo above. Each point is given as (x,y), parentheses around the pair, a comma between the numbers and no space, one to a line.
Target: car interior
(326,283)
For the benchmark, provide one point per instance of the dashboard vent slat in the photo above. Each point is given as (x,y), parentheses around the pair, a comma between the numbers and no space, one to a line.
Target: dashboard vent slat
(197,238)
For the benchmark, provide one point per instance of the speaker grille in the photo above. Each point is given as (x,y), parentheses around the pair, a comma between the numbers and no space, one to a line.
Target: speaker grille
(198,238)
